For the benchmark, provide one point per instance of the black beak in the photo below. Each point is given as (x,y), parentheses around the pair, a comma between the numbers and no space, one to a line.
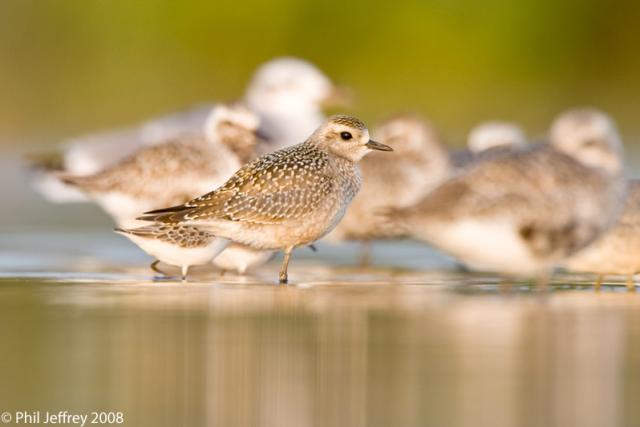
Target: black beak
(372,145)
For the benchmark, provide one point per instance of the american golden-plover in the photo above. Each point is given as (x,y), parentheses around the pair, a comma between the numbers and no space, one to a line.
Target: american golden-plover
(420,162)
(289,198)
(526,210)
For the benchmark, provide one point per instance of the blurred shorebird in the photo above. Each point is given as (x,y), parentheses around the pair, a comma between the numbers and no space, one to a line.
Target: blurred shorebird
(524,211)
(176,171)
(493,134)
(487,138)
(285,199)
(175,244)
(420,162)
(286,93)
(618,250)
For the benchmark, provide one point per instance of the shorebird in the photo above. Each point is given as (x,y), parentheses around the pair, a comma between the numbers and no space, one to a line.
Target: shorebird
(289,198)
(493,134)
(524,211)
(420,162)
(175,244)
(617,251)
(485,139)
(286,93)
(176,171)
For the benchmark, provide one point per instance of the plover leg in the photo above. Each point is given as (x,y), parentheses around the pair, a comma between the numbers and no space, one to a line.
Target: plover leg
(313,247)
(284,278)
(185,270)
(598,285)
(631,284)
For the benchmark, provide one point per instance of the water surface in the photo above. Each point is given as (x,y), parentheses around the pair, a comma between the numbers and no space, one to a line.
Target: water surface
(411,342)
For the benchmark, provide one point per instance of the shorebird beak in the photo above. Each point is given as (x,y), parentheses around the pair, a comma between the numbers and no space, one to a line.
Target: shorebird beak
(340,96)
(373,145)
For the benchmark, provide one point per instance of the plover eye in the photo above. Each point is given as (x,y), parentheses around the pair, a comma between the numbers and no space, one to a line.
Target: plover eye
(346,135)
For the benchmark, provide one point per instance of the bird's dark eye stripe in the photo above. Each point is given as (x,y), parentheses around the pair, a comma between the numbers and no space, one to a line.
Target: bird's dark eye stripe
(346,135)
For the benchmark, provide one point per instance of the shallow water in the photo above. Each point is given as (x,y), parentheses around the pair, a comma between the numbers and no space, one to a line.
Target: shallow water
(413,341)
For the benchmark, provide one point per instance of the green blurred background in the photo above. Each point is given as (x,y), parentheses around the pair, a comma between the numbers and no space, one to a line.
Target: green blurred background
(69,67)
(72,66)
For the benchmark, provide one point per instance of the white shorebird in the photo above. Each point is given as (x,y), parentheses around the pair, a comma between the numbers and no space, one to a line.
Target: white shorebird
(493,134)
(286,199)
(524,211)
(288,95)
(485,139)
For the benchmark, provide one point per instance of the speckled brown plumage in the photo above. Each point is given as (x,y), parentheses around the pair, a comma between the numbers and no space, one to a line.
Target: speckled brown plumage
(145,173)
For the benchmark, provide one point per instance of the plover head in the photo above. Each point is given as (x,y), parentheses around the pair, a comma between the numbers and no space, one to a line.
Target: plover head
(234,126)
(408,134)
(492,134)
(289,84)
(346,137)
(590,136)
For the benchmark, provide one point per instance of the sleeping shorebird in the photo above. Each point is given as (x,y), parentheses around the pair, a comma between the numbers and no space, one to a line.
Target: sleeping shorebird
(176,171)
(420,162)
(524,211)
(286,93)
(487,138)
(488,135)
(286,199)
